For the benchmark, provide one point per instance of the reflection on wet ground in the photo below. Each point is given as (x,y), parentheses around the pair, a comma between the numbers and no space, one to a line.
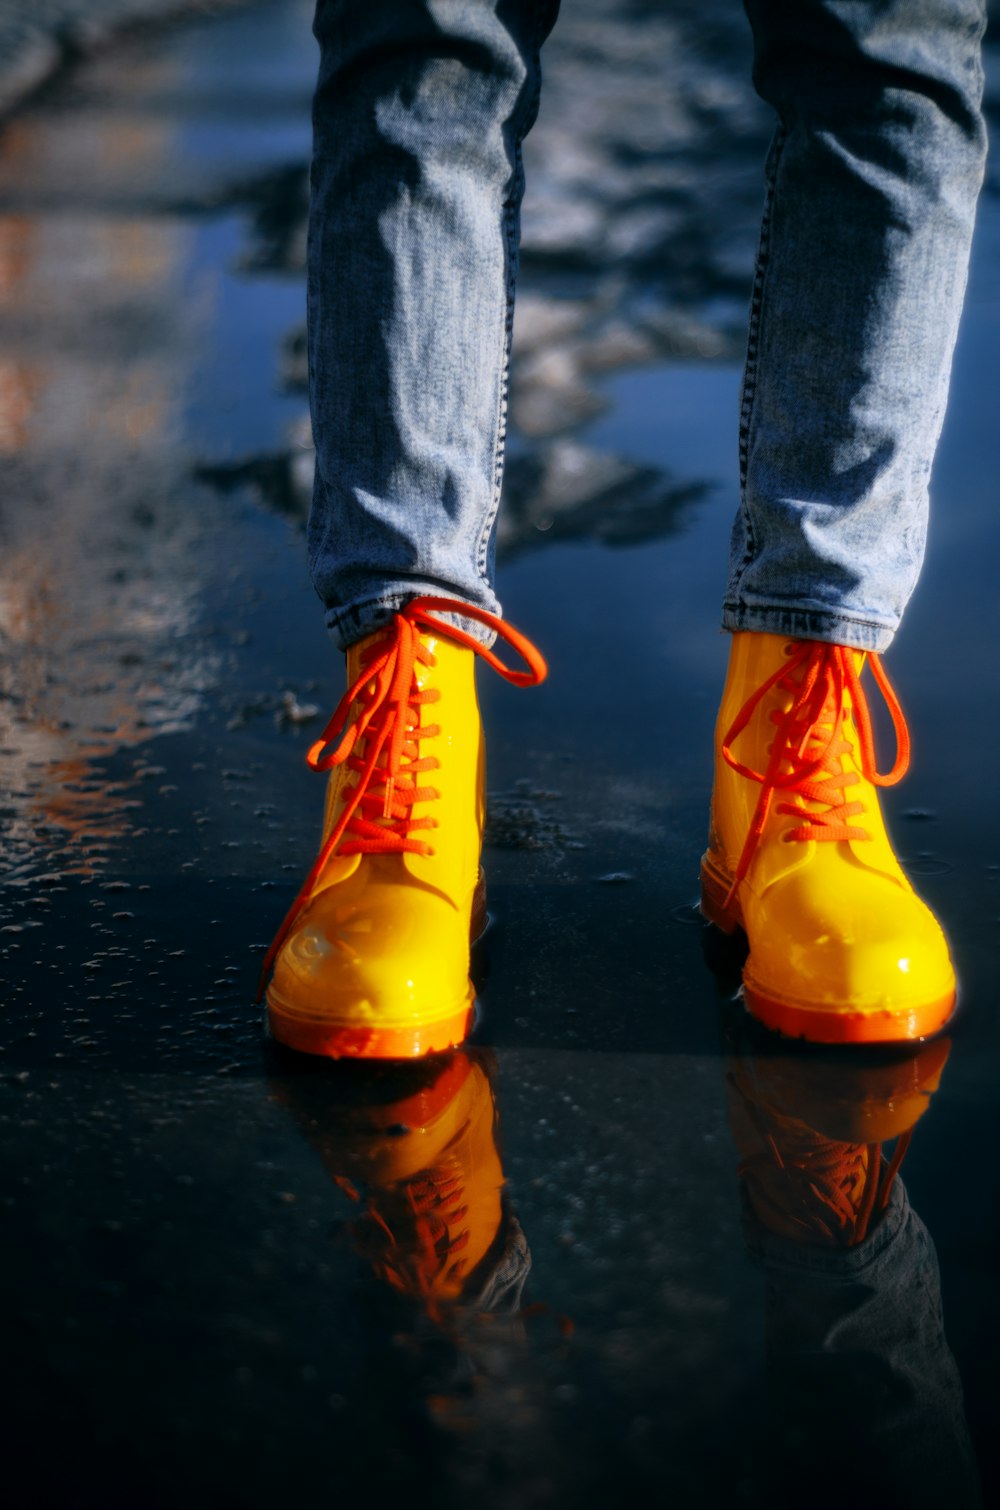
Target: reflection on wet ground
(622,1244)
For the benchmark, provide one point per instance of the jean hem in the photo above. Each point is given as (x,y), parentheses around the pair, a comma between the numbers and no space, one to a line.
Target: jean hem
(353,622)
(777,1252)
(798,623)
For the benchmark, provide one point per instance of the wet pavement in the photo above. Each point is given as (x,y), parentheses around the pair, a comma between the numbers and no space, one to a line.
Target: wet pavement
(234,1275)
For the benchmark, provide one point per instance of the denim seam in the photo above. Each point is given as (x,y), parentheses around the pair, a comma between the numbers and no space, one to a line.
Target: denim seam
(510,215)
(510,252)
(748,395)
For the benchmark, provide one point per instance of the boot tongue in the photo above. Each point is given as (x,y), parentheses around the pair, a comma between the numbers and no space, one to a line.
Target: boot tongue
(822,754)
(385,784)
(806,741)
(422,670)
(340,866)
(820,745)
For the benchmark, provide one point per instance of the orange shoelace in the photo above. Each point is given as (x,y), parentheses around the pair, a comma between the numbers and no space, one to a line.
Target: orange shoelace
(415,1235)
(382,708)
(804,757)
(815,1188)
(427,1257)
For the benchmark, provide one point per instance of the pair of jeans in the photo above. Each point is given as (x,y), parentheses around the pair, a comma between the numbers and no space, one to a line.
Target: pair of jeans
(872,180)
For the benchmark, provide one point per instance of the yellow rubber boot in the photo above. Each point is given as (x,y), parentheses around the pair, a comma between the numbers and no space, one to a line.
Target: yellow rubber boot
(373,958)
(842,950)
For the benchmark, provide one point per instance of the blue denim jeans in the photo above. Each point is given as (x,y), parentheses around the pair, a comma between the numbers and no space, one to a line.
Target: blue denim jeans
(419,116)
(872,182)
(420,112)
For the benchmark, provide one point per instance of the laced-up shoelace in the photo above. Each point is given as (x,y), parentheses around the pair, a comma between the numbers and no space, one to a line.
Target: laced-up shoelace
(382,708)
(438,1207)
(415,1236)
(817,1185)
(810,739)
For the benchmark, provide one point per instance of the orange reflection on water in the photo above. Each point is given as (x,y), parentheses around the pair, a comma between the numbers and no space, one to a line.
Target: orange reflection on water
(99,574)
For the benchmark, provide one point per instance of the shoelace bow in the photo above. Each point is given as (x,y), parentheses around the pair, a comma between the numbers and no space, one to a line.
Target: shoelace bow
(382,708)
(810,739)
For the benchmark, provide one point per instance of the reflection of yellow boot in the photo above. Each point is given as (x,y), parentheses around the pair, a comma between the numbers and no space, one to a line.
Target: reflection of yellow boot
(420,1157)
(810,1133)
(841,948)
(432,1207)
(373,959)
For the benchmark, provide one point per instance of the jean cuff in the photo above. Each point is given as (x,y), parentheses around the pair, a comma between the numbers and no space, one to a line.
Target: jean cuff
(810,624)
(783,1253)
(349,624)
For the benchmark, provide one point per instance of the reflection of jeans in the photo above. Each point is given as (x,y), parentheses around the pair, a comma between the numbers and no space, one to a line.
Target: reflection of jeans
(867,1401)
(419,116)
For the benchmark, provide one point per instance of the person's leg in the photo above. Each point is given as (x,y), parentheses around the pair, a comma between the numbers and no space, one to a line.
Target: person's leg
(419,115)
(420,111)
(872,183)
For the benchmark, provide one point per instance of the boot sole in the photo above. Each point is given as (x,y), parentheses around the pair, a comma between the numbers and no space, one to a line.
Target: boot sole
(818,1024)
(339,1040)
(344,1040)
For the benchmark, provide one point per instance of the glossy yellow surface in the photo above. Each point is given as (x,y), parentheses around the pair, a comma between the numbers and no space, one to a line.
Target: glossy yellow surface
(841,947)
(414,1146)
(378,961)
(431,1185)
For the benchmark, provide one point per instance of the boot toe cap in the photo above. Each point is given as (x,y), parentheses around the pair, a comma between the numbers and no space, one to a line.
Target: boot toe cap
(376,970)
(877,970)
